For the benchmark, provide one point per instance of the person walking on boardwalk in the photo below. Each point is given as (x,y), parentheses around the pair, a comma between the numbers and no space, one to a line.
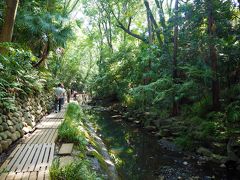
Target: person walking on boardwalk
(59,98)
(64,93)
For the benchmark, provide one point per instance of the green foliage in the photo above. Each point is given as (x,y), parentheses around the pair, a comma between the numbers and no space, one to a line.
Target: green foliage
(17,78)
(233,112)
(79,170)
(159,92)
(43,25)
(207,129)
(184,141)
(202,107)
(73,112)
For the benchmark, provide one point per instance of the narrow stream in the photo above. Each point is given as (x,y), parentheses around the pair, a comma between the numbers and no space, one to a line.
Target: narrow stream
(139,155)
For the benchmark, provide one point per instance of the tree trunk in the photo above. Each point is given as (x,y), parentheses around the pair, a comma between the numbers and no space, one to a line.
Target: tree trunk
(213,56)
(9,20)
(150,39)
(175,109)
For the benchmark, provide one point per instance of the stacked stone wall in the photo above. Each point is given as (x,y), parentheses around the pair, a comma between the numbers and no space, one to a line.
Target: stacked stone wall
(14,124)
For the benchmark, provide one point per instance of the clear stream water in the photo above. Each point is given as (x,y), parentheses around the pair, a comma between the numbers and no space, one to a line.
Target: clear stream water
(139,155)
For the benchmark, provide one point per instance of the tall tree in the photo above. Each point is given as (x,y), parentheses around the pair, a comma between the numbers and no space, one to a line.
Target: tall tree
(9,19)
(175,51)
(213,54)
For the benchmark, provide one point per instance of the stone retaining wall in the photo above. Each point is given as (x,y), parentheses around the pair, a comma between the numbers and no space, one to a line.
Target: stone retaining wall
(14,125)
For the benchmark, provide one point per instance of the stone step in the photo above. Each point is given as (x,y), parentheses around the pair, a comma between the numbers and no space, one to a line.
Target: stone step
(66,149)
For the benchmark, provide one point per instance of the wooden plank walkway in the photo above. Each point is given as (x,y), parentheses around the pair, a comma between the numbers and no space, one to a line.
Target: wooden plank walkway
(59,115)
(42,136)
(32,159)
(49,123)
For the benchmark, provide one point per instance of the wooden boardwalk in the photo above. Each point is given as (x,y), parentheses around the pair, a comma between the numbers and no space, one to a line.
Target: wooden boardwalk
(32,159)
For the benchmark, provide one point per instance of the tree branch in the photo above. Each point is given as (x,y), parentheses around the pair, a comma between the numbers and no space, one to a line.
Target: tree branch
(127,30)
(157,30)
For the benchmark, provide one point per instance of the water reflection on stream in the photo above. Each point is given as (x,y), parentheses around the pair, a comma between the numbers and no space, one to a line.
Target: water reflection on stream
(138,155)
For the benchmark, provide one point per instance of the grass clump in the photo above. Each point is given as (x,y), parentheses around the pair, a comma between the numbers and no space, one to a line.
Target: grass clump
(78,170)
(68,130)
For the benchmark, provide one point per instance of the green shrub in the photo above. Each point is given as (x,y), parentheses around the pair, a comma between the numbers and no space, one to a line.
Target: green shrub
(207,129)
(184,141)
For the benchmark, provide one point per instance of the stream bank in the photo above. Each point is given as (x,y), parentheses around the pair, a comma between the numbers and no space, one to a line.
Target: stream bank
(140,154)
